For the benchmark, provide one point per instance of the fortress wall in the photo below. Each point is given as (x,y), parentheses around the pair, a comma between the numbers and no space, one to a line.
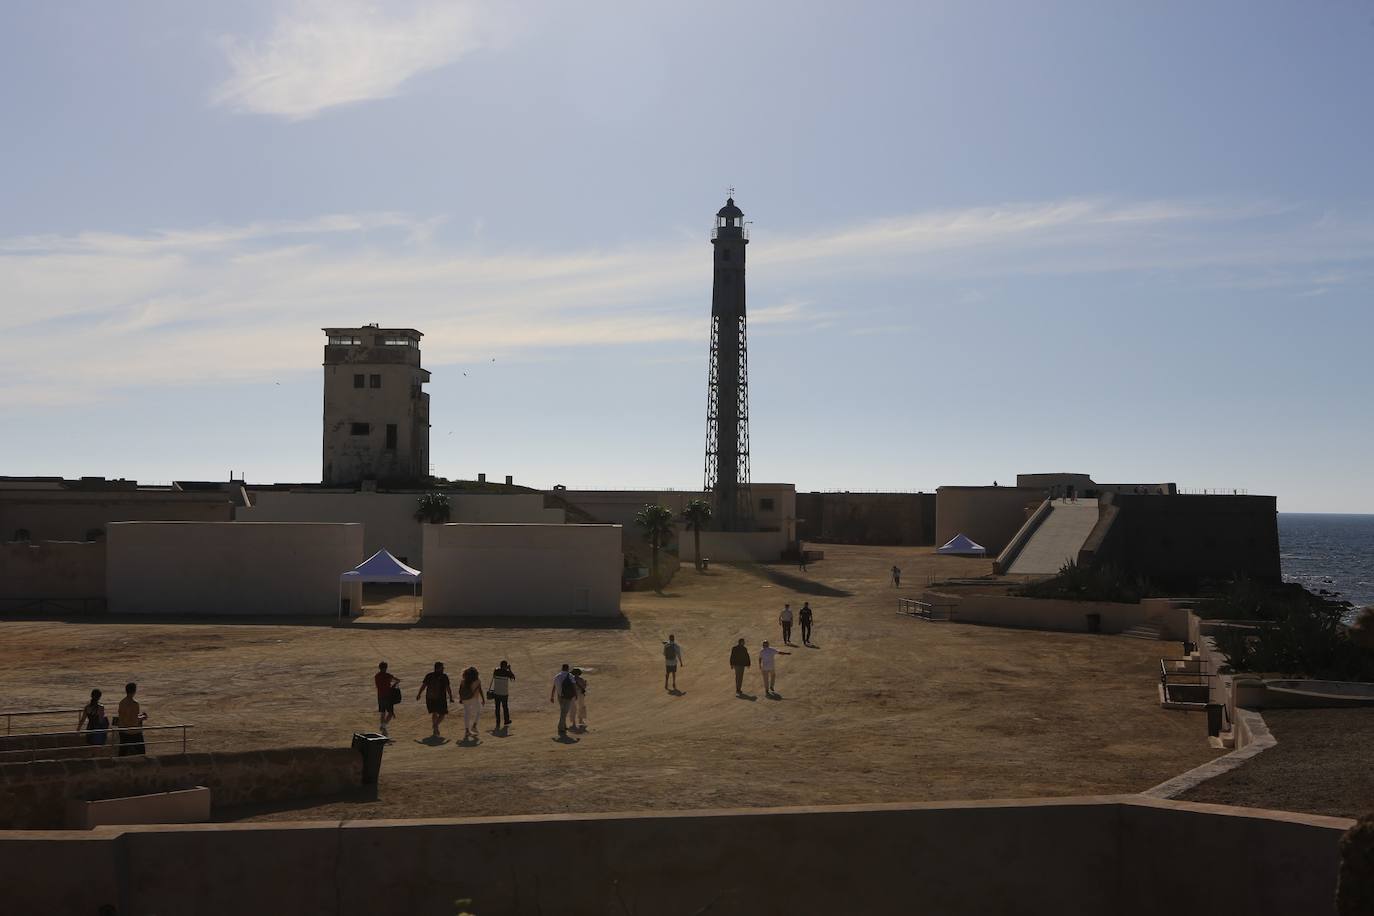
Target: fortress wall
(1109,854)
(522,570)
(989,515)
(228,568)
(867,518)
(52,569)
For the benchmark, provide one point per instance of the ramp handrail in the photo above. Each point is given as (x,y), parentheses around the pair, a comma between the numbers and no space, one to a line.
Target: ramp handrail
(80,743)
(11,714)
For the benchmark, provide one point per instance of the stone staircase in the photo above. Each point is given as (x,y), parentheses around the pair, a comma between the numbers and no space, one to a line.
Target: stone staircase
(1143,631)
(1057,540)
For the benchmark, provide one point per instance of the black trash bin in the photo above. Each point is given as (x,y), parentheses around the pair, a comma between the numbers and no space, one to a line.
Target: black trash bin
(370,745)
(1214,713)
(1094,623)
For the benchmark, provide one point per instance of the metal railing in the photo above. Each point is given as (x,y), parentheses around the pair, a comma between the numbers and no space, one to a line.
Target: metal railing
(20,713)
(924,610)
(1212,491)
(78,741)
(1184,677)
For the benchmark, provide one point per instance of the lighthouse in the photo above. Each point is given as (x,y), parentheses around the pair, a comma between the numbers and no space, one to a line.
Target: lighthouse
(727,383)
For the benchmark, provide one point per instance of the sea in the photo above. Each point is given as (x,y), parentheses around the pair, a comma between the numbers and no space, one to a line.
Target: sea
(1332,552)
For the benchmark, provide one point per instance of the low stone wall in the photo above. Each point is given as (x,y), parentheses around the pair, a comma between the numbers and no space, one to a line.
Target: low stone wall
(36,794)
(1113,854)
(1056,614)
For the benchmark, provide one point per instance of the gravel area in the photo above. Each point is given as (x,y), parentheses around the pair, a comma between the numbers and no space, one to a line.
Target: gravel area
(885,708)
(1322,764)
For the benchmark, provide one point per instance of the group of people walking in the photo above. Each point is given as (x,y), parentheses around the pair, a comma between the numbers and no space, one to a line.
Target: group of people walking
(437,690)
(740,661)
(569,687)
(128,723)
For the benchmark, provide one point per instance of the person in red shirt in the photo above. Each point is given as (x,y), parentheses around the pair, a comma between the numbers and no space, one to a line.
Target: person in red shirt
(387,691)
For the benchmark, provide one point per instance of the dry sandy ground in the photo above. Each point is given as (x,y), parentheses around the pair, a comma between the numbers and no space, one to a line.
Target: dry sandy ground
(886,708)
(1321,765)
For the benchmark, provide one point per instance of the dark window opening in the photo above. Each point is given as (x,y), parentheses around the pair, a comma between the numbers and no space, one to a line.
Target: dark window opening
(357,381)
(391,437)
(22,534)
(374,381)
(95,534)
(362,429)
(766,503)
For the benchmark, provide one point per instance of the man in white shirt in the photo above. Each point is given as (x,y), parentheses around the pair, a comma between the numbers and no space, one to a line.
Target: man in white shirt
(785,618)
(672,660)
(768,658)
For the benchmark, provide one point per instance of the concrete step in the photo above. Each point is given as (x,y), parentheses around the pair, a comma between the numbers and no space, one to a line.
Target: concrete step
(1143,631)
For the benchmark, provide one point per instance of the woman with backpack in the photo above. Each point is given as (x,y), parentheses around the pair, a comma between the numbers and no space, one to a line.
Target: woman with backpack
(94,721)
(473,698)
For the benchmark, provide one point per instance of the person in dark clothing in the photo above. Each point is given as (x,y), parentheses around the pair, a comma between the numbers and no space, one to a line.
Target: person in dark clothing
(739,660)
(801,555)
(804,618)
(438,693)
(500,692)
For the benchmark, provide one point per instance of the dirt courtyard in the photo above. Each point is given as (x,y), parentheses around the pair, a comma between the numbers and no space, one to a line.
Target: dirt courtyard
(885,708)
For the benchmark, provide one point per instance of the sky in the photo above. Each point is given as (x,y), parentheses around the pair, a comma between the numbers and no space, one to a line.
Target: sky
(1129,240)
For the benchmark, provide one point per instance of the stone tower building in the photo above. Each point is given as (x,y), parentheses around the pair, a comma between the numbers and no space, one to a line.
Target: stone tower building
(376,417)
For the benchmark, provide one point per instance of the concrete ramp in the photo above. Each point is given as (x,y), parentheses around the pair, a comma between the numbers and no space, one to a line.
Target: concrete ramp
(1058,538)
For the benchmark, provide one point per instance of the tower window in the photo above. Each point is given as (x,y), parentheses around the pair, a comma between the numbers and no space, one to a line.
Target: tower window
(345,341)
(391,437)
(397,342)
(374,381)
(766,504)
(357,381)
(361,429)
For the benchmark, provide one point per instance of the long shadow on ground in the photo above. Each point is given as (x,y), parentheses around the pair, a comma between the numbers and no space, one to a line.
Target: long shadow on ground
(793,582)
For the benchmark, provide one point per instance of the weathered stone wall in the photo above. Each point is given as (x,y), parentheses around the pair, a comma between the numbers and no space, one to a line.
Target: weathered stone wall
(36,794)
(52,570)
(906,519)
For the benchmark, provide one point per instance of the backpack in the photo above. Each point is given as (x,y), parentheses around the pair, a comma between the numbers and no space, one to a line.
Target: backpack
(568,690)
(670,651)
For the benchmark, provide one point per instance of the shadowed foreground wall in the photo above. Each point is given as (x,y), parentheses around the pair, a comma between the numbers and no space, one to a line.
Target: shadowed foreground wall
(1114,854)
(36,794)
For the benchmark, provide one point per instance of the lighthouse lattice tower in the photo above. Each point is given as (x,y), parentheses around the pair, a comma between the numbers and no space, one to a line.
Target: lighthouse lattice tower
(727,384)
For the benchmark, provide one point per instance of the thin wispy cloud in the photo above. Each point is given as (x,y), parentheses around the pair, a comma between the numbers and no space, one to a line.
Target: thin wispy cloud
(163,307)
(321,54)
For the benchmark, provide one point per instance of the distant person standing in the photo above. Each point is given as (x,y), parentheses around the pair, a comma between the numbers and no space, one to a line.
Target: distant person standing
(804,618)
(130,721)
(500,692)
(388,693)
(472,697)
(801,555)
(785,618)
(565,690)
(578,712)
(672,660)
(94,722)
(739,661)
(768,661)
(896,576)
(438,693)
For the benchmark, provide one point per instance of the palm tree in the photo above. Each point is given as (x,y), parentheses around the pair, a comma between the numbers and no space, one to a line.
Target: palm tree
(697,515)
(432,508)
(657,524)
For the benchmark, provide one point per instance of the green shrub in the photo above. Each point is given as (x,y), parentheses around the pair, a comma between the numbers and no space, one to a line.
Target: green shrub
(1105,582)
